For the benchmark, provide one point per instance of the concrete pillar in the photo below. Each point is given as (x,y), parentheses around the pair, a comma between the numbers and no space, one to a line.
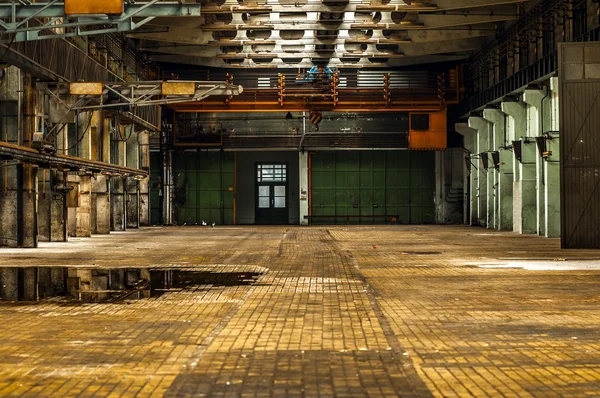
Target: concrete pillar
(84,211)
(133,197)
(8,169)
(304,191)
(50,207)
(524,198)
(552,165)
(100,198)
(100,214)
(18,206)
(503,176)
(118,189)
(30,206)
(30,282)
(484,187)
(470,214)
(144,164)
(449,175)
(536,104)
(9,284)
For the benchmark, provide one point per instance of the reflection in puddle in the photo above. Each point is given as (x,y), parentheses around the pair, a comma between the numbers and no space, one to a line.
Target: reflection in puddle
(116,284)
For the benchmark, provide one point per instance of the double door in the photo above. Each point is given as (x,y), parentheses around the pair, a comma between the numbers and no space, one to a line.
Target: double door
(271,194)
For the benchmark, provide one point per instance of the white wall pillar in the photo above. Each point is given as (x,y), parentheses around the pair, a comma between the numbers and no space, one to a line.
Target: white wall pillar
(503,175)
(552,165)
(304,191)
(524,199)
(484,187)
(536,101)
(470,173)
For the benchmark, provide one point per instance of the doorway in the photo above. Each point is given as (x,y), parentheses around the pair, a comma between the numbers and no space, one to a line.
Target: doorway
(271,194)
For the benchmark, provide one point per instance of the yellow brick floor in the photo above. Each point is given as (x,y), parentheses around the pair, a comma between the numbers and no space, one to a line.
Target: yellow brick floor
(337,311)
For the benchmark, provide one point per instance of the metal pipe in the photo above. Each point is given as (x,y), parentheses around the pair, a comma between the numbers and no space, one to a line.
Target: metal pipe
(125,203)
(51,193)
(110,211)
(65,208)
(222,220)
(34,177)
(30,155)
(139,202)
(20,96)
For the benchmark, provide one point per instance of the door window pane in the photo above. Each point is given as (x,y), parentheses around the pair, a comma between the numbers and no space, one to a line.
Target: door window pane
(271,173)
(280,190)
(263,191)
(263,203)
(280,202)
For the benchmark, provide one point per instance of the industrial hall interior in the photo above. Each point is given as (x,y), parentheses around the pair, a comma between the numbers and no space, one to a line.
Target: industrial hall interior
(299,198)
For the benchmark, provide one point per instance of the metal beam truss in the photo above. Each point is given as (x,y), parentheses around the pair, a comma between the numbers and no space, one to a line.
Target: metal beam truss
(128,96)
(136,94)
(66,163)
(25,21)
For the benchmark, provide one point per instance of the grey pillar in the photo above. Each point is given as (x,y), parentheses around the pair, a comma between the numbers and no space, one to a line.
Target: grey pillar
(304,191)
(524,201)
(536,104)
(484,188)
(470,173)
(552,169)
(100,205)
(503,175)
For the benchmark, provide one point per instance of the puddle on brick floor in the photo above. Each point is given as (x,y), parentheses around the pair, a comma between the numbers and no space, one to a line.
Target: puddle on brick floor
(117,284)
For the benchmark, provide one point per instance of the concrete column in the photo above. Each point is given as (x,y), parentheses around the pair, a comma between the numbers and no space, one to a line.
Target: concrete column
(144,164)
(524,198)
(100,198)
(30,284)
(118,189)
(9,284)
(304,188)
(9,101)
(503,176)
(484,187)
(449,174)
(18,206)
(535,100)
(133,196)
(552,164)
(83,226)
(50,207)
(470,214)
(100,214)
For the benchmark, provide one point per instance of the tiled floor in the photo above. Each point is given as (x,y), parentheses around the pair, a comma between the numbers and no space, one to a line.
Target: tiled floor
(339,311)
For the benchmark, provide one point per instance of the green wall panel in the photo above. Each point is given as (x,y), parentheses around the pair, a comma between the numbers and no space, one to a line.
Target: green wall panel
(205,183)
(373,183)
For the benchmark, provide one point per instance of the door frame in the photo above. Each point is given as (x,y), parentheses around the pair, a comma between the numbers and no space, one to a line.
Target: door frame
(272,183)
